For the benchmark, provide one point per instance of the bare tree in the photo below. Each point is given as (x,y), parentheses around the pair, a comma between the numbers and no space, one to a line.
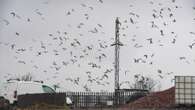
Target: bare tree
(143,82)
(27,77)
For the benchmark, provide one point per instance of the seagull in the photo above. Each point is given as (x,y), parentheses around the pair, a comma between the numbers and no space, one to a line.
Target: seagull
(161,76)
(39,13)
(154,15)
(28,19)
(77,41)
(173,1)
(169,9)
(68,13)
(137,45)
(192,33)
(12,46)
(131,20)
(6,21)
(159,71)
(136,60)
(99,25)
(174,40)
(17,33)
(83,5)
(103,54)
(22,49)
(174,20)
(23,62)
(170,15)
(13,14)
(65,63)
(154,25)
(91,8)
(191,45)
(101,1)
(150,40)
(108,70)
(38,53)
(182,58)
(146,56)
(50,34)
(126,72)
(161,32)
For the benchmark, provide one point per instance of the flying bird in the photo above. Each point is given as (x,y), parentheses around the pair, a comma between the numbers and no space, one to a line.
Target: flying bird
(174,40)
(99,25)
(12,46)
(101,1)
(193,33)
(6,21)
(68,13)
(91,8)
(161,32)
(159,71)
(13,14)
(131,20)
(17,33)
(182,58)
(23,62)
(191,46)
(83,5)
(161,76)
(28,20)
(150,40)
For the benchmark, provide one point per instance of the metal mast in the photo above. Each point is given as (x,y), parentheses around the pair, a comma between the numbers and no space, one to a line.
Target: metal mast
(117,45)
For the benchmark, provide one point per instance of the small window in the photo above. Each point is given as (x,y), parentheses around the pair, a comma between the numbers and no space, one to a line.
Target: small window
(188,79)
(47,89)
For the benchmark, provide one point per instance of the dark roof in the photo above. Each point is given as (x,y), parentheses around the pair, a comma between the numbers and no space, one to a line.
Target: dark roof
(160,99)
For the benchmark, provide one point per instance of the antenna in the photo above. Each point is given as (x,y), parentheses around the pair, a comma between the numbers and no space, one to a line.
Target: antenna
(117,45)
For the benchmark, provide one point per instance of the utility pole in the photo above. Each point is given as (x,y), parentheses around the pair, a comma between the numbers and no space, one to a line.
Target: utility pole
(117,45)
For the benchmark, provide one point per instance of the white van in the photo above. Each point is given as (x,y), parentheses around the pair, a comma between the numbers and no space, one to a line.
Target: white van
(11,89)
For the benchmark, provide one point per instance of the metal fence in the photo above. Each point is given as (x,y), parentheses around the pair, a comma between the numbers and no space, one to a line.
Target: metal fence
(82,99)
(103,99)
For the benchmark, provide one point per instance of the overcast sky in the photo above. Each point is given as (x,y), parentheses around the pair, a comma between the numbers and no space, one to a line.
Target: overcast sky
(59,40)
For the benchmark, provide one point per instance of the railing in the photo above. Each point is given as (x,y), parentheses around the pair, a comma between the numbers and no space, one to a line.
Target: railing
(81,99)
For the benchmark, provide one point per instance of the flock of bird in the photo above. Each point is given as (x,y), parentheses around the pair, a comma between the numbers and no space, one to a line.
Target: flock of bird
(76,51)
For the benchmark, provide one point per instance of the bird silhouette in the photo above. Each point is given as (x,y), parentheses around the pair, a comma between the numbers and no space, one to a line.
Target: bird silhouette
(161,32)
(193,33)
(12,46)
(23,62)
(131,20)
(137,45)
(101,1)
(99,25)
(13,14)
(68,13)
(17,33)
(161,76)
(83,5)
(6,21)
(150,40)
(174,40)
(91,8)
(28,20)
(182,58)
(159,71)
(191,46)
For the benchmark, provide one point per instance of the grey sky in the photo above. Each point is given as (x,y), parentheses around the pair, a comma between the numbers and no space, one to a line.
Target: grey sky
(36,19)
